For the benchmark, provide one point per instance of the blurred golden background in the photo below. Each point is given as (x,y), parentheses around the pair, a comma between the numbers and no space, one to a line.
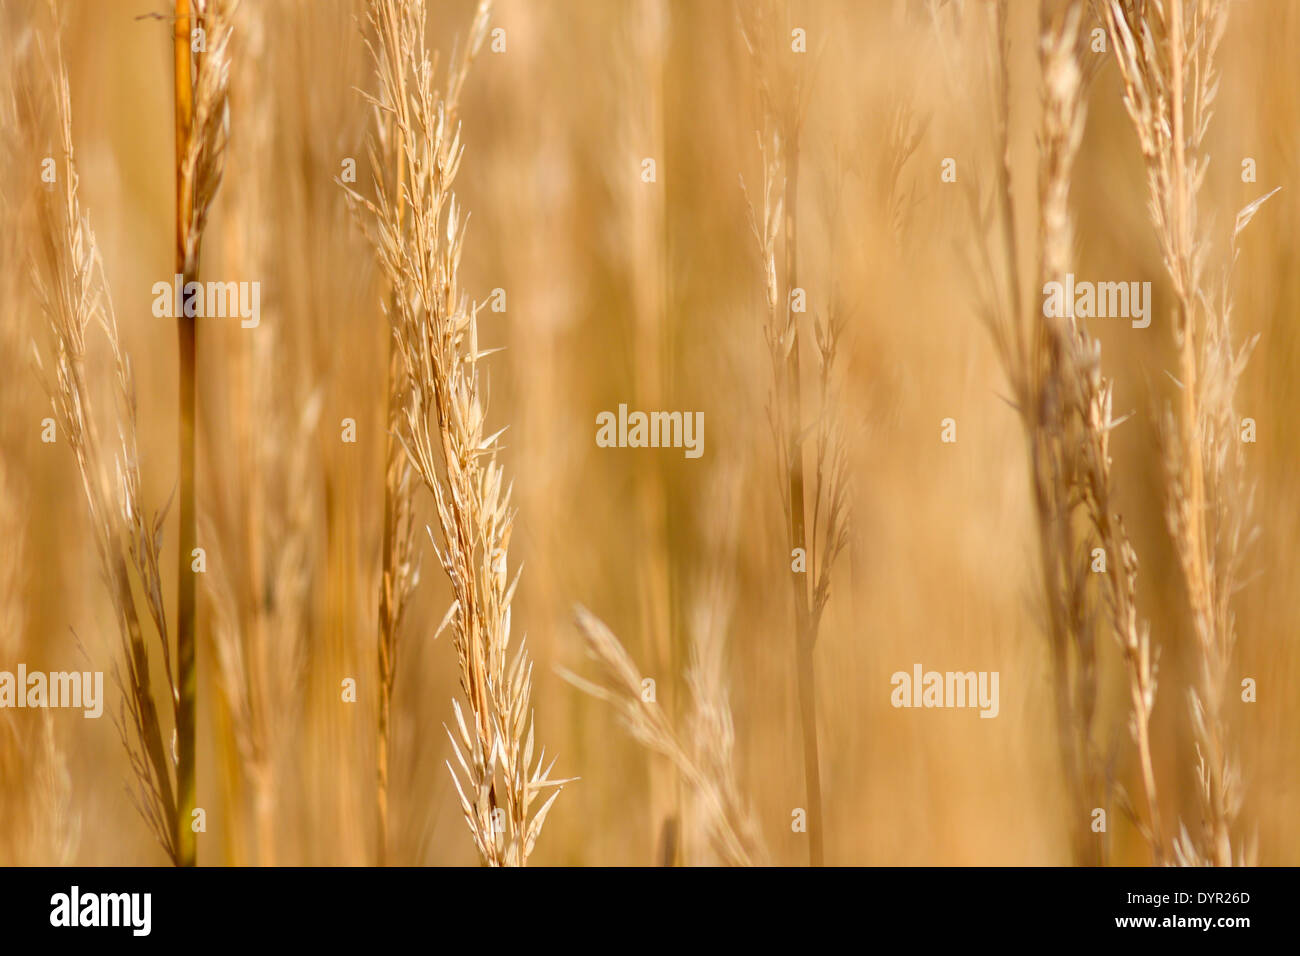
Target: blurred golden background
(649,294)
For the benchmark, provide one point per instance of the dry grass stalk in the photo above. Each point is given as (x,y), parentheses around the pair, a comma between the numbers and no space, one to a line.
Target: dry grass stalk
(1039,359)
(1065,405)
(706,767)
(395,31)
(202,82)
(816,509)
(260,597)
(128,540)
(418,234)
(287,501)
(261,522)
(1166,57)
(884,168)
(1085,395)
(39,825)
(711,728)
(640,94)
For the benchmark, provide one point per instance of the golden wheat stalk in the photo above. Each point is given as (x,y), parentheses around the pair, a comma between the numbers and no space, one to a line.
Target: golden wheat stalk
(442,429)
(1166,57)
(395,32)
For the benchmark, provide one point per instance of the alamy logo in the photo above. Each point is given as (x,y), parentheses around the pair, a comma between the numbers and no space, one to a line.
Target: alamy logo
(1102,300)
(651,430)
(209,300)
(57,689)
(946,689)
(132,910)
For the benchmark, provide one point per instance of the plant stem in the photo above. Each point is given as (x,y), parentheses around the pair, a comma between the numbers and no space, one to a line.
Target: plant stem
(805,625)
(1201,585)
(185,849)
(387,628)
(394,463)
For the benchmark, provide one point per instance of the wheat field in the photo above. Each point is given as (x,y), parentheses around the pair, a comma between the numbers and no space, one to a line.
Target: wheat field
(649,432)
